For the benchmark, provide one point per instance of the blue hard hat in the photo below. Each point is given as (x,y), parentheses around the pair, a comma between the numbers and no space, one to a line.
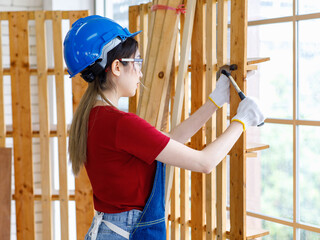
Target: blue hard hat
(89,39)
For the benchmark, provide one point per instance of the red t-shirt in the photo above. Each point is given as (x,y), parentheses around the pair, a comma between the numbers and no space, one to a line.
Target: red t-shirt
(121,149)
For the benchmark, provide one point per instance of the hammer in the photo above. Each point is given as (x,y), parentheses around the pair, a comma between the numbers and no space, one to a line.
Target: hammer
(234,84)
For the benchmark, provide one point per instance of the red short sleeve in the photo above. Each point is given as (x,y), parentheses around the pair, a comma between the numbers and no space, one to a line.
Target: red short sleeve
(139,138)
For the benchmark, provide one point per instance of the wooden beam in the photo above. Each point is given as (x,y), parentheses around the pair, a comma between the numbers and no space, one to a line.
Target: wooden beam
(197,100)
(184,174)
(252,147)
(134,27)
(2,116)
(61,123)
(44,125)
(222,122)
(237,155)
(252,233)
(162,68)
(211,60)
(157,21)
(48,14)
(5,189)
(21,121)
(179,93)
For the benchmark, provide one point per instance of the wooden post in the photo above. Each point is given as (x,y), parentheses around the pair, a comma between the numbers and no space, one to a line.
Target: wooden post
(83,190)
(222,123)
(134,27)
(44,125)
(175,209)
(144,27)
(179,93)
(237,155)
(21,121)
(2,117)
(184,174)
(61,124)
(211,57)
(5,189)
(151,56)
(197,100)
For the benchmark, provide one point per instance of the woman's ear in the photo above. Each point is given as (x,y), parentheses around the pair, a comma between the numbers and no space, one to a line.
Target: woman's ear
(115,67)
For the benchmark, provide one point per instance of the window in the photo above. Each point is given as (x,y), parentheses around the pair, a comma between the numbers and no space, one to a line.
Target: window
(288,181)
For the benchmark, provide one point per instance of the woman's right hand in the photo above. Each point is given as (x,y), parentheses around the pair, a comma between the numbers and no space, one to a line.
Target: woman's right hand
(249,113)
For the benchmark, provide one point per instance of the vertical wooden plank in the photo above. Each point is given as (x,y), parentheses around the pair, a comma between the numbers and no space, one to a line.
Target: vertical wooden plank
(61,123)
(175,209)
(183,66)
(162,69)
(184,204)
(134,27)
(237,156)
(157,21)
(5,189)
(143,9)
(83,190)
(2,117)
(44,125)
(21,121)
(211,124)
(222,44)
(151,15)
(197,141)
(184,174)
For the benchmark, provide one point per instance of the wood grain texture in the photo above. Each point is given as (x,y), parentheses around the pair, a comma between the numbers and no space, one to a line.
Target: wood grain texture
(44,125)
(21,121)
(2,116)
(197,100)
(211,60)
(237,154)
(222,31)
(5,189)
(134,26)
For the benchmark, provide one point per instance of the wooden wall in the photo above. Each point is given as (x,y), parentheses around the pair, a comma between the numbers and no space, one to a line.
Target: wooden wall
(203,209)
(24,132)
(202,212)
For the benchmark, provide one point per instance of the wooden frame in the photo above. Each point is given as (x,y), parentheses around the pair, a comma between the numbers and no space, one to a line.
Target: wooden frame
(22,131)
(203,71)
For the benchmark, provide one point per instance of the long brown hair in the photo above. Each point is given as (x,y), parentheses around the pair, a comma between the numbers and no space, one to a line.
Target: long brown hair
(79,126)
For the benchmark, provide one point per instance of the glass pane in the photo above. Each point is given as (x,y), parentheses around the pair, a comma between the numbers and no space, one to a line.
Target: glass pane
(276,171)
(265,9)
(120,9)
(277,231)
(274,41)
(309,174)
(308,70)
(307,235)
(308,6)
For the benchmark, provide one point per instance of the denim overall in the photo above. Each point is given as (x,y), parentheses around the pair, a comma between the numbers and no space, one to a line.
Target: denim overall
(150,224)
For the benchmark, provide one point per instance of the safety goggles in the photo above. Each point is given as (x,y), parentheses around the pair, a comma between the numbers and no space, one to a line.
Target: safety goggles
(139,61)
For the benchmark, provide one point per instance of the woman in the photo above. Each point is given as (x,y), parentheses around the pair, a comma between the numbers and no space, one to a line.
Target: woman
(124,155)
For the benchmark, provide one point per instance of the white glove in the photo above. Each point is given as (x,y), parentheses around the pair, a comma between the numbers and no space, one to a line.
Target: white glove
(221,93)
(249,113)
